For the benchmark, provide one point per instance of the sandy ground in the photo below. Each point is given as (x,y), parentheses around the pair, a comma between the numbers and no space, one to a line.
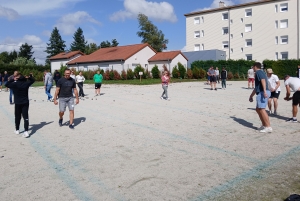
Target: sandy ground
(128,144)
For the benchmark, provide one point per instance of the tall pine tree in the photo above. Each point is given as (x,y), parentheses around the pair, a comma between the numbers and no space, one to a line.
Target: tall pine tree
(26,51)
(79,42)
(55,46)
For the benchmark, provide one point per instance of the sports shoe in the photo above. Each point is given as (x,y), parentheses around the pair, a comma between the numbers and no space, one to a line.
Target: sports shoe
(25,134)
(162,98)
(216,89)
(60,122)
(12,103)
(211,89)
(17,132)
(270,112)
(261,128)
(71,126)
(275,112)
(266,130)
(292,120)
(168,99)
(51,100)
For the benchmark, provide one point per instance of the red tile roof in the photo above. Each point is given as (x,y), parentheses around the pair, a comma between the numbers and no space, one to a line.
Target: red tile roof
(165,56)
(65,55)
(111,54)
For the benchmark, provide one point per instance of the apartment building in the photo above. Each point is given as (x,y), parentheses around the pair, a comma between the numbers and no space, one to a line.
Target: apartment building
(266,29)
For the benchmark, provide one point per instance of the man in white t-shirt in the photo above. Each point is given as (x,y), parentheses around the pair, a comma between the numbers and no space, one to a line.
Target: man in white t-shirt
(251,76)
(274,87)
(294,84)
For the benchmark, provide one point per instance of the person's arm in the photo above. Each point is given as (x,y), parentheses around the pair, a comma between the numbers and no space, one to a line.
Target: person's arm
(277,85)
(31,79)
(288,93)
(263,83)
(83,79)
(9,83)
(46,80)
(55,95)
(76,93)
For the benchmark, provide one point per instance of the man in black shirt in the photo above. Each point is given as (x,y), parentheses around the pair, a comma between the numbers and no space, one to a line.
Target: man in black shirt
(63,91)
(20,85)
(56,76)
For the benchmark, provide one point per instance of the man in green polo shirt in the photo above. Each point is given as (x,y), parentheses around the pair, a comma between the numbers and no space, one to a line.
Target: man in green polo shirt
(98,81)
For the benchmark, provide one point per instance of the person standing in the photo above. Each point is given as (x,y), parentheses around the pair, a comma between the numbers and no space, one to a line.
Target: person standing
(5,79)
(56,76)
(98,82)
(20,85)
(212,74)
(79,80)
(274,87)
(223,78)
(11,92)
(298,71)
(217,75)
(262,95)
(251,77)
(165,79)
(294,84)
(1,79)
(63,91)
(48,82)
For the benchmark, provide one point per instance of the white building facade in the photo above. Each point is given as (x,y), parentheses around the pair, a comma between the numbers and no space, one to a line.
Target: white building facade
(267,29)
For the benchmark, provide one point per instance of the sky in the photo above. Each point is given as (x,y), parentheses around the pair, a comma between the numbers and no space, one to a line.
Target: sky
(32,21)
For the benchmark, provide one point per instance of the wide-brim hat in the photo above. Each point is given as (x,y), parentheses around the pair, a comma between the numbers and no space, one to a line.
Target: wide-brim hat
(269,70)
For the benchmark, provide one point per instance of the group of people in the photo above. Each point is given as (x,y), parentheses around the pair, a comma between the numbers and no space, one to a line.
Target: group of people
(214,76)
(267,91)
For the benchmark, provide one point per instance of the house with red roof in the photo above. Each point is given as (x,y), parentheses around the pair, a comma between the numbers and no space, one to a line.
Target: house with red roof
(116,58)
(63,58)
(169,59)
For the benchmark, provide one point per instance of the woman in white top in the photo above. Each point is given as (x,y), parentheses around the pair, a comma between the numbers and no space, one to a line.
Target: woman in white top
(274,87)
(79,80)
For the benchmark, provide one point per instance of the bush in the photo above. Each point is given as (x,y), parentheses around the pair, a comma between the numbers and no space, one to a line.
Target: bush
(196,73)
(236,76)
(155,72)
(148,74)
(229,75)
(202,73)
(189,74)
(130,74)
(181,70)
(175,72)
(124,75)
(139,69)
(106,75)
(117,75)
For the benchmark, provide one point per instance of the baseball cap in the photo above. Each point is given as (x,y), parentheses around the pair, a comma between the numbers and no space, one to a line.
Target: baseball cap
(269,70)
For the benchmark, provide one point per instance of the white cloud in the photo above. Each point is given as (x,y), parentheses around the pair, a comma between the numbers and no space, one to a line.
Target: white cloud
(8,13)
(38,7)
(68,24)
(38,45)
(47,33)
(162,11)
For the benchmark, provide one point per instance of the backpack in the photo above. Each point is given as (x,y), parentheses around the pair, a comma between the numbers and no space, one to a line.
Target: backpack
(293,197)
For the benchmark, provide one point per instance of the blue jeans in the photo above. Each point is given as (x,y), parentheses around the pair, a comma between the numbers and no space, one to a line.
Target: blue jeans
(11,93)
(48,90)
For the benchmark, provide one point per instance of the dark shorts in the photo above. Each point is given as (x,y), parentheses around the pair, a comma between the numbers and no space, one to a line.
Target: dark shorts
(97,85)
(275,95)
(296,98)
(212,78)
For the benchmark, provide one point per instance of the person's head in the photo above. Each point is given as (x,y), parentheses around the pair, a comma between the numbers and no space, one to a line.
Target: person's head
(67,73)
(98,72)
(223,68)
(286,77)
(80,73)
(16,73)
(217,68)
(56,71)
(212,67)
(72,72)
(298,66)
(166,73)
(256,66)
(5,72)
(269,72)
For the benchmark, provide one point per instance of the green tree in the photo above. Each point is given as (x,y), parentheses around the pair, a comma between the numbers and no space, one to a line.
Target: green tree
(55,46)
(114,43)
(150,34)
(4,57)
(90,48)
(12,55)
(26,51)
(105,44)
(79,42)
(23,61)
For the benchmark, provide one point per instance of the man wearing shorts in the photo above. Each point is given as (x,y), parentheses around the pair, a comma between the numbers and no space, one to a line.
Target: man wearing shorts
(274,87)
(64,88)
(212,74)
(251,77)
(294,84)
(98,82)
(262,95)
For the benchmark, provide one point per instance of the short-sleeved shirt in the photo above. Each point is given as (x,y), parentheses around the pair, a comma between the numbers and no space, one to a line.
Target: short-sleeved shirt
(251,73)
(293,82)
(98,78)
(272,82)
(5,77)
(259,75)
(66,86)
(211,72)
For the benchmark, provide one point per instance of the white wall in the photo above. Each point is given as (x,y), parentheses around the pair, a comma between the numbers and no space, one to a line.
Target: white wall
(169,64)
(56,64)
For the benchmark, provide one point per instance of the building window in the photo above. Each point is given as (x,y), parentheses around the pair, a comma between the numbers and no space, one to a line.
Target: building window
(197,20)
(276,24)
(284,55)
(248,43)
(276,55)
(248,12)
(284,7)
(197,34)
(231,36)
(242,20)
(225,16)
(225,45)
(248,27)
(276,8)
(197,47)
(284,39)
(283,24)
(225,30)
(248,57)
(242,35)
(276,40)
(202,33)
(242,49)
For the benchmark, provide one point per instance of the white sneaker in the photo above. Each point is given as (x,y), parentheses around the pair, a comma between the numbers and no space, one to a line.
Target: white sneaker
(266,130)
(17,132)
(25,134)
(162,98)
(0,90)
(261,128)
(270,112)
(168,99)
